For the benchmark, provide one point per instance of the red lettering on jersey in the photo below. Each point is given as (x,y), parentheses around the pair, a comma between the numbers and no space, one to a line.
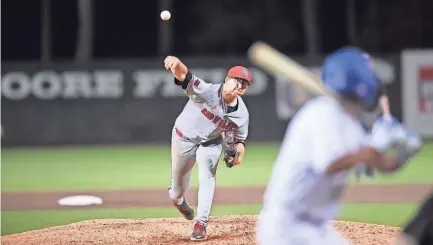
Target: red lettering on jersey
(196,82)
(225,125)
(209,115)
(229,126)
(216,120)
(232,126)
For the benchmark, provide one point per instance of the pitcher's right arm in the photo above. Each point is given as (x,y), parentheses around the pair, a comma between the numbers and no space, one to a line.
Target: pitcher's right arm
(188,82)
(176,67)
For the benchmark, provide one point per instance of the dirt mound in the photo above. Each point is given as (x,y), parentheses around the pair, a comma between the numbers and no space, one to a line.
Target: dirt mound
(222,230)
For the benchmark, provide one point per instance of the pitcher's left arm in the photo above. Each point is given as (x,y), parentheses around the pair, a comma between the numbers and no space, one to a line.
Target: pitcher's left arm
(241,136)
(234,145)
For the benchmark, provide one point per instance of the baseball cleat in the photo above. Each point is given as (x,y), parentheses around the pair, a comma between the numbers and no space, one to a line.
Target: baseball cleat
(199,232)
(185,209)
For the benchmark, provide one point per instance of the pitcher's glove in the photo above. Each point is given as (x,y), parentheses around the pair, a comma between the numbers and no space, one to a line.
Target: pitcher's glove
(229,149)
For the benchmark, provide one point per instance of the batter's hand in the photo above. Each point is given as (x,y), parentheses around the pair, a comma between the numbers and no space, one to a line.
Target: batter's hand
(396,143)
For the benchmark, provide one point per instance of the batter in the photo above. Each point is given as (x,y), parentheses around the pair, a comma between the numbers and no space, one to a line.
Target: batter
(212,111)
(323,142)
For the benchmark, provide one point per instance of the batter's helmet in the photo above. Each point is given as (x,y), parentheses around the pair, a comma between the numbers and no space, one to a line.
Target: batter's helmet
(349,72)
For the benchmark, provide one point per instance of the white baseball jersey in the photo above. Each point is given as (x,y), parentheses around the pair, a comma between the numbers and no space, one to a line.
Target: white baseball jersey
(299,190)
(206,115)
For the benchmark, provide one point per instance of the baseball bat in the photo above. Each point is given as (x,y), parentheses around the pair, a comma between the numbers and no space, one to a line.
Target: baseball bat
(273,61)
(384,106)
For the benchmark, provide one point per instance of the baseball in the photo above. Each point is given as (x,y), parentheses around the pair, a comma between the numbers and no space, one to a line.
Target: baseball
(165,15)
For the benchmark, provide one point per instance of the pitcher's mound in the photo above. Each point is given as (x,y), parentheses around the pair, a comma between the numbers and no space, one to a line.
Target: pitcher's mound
(233,230)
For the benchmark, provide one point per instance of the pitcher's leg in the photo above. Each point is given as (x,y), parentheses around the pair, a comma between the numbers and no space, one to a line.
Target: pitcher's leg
(180,176)
(207,160)
(183,158)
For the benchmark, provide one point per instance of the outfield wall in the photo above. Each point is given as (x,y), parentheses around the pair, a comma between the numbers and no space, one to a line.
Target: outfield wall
(135,101)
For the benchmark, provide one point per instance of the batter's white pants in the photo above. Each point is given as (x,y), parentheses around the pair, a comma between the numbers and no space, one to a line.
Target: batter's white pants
(184,154)
(274,229)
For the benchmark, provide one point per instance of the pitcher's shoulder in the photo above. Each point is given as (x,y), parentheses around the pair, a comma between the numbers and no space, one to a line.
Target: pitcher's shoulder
(242,106)
(241,115)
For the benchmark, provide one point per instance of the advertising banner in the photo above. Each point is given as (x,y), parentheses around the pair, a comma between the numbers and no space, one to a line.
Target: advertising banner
(74,82)
(417,76)
(113,102)
(124,102)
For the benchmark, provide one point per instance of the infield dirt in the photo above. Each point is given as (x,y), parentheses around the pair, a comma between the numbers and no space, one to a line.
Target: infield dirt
(235,229)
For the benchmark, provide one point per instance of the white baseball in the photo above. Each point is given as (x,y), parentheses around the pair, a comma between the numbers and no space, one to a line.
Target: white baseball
(165,15)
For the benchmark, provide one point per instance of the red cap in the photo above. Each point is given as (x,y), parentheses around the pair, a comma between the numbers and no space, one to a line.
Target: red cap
(240,72)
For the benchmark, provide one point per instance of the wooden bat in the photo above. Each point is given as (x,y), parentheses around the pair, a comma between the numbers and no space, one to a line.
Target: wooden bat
(384,106)
(271,60)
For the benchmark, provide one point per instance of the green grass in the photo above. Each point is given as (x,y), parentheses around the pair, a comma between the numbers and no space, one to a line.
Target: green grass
(82,168)
(116,168)
(19,221)
(396,214)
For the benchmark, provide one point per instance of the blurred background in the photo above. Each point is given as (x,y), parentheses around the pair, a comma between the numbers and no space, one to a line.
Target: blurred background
(77,73)
(90,71)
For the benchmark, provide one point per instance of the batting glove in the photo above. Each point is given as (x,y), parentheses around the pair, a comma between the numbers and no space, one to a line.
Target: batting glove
(390,137)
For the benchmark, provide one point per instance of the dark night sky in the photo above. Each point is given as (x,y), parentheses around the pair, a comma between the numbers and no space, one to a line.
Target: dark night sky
(129,28)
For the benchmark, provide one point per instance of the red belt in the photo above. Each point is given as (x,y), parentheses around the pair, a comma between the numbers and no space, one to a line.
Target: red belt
(180,134)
